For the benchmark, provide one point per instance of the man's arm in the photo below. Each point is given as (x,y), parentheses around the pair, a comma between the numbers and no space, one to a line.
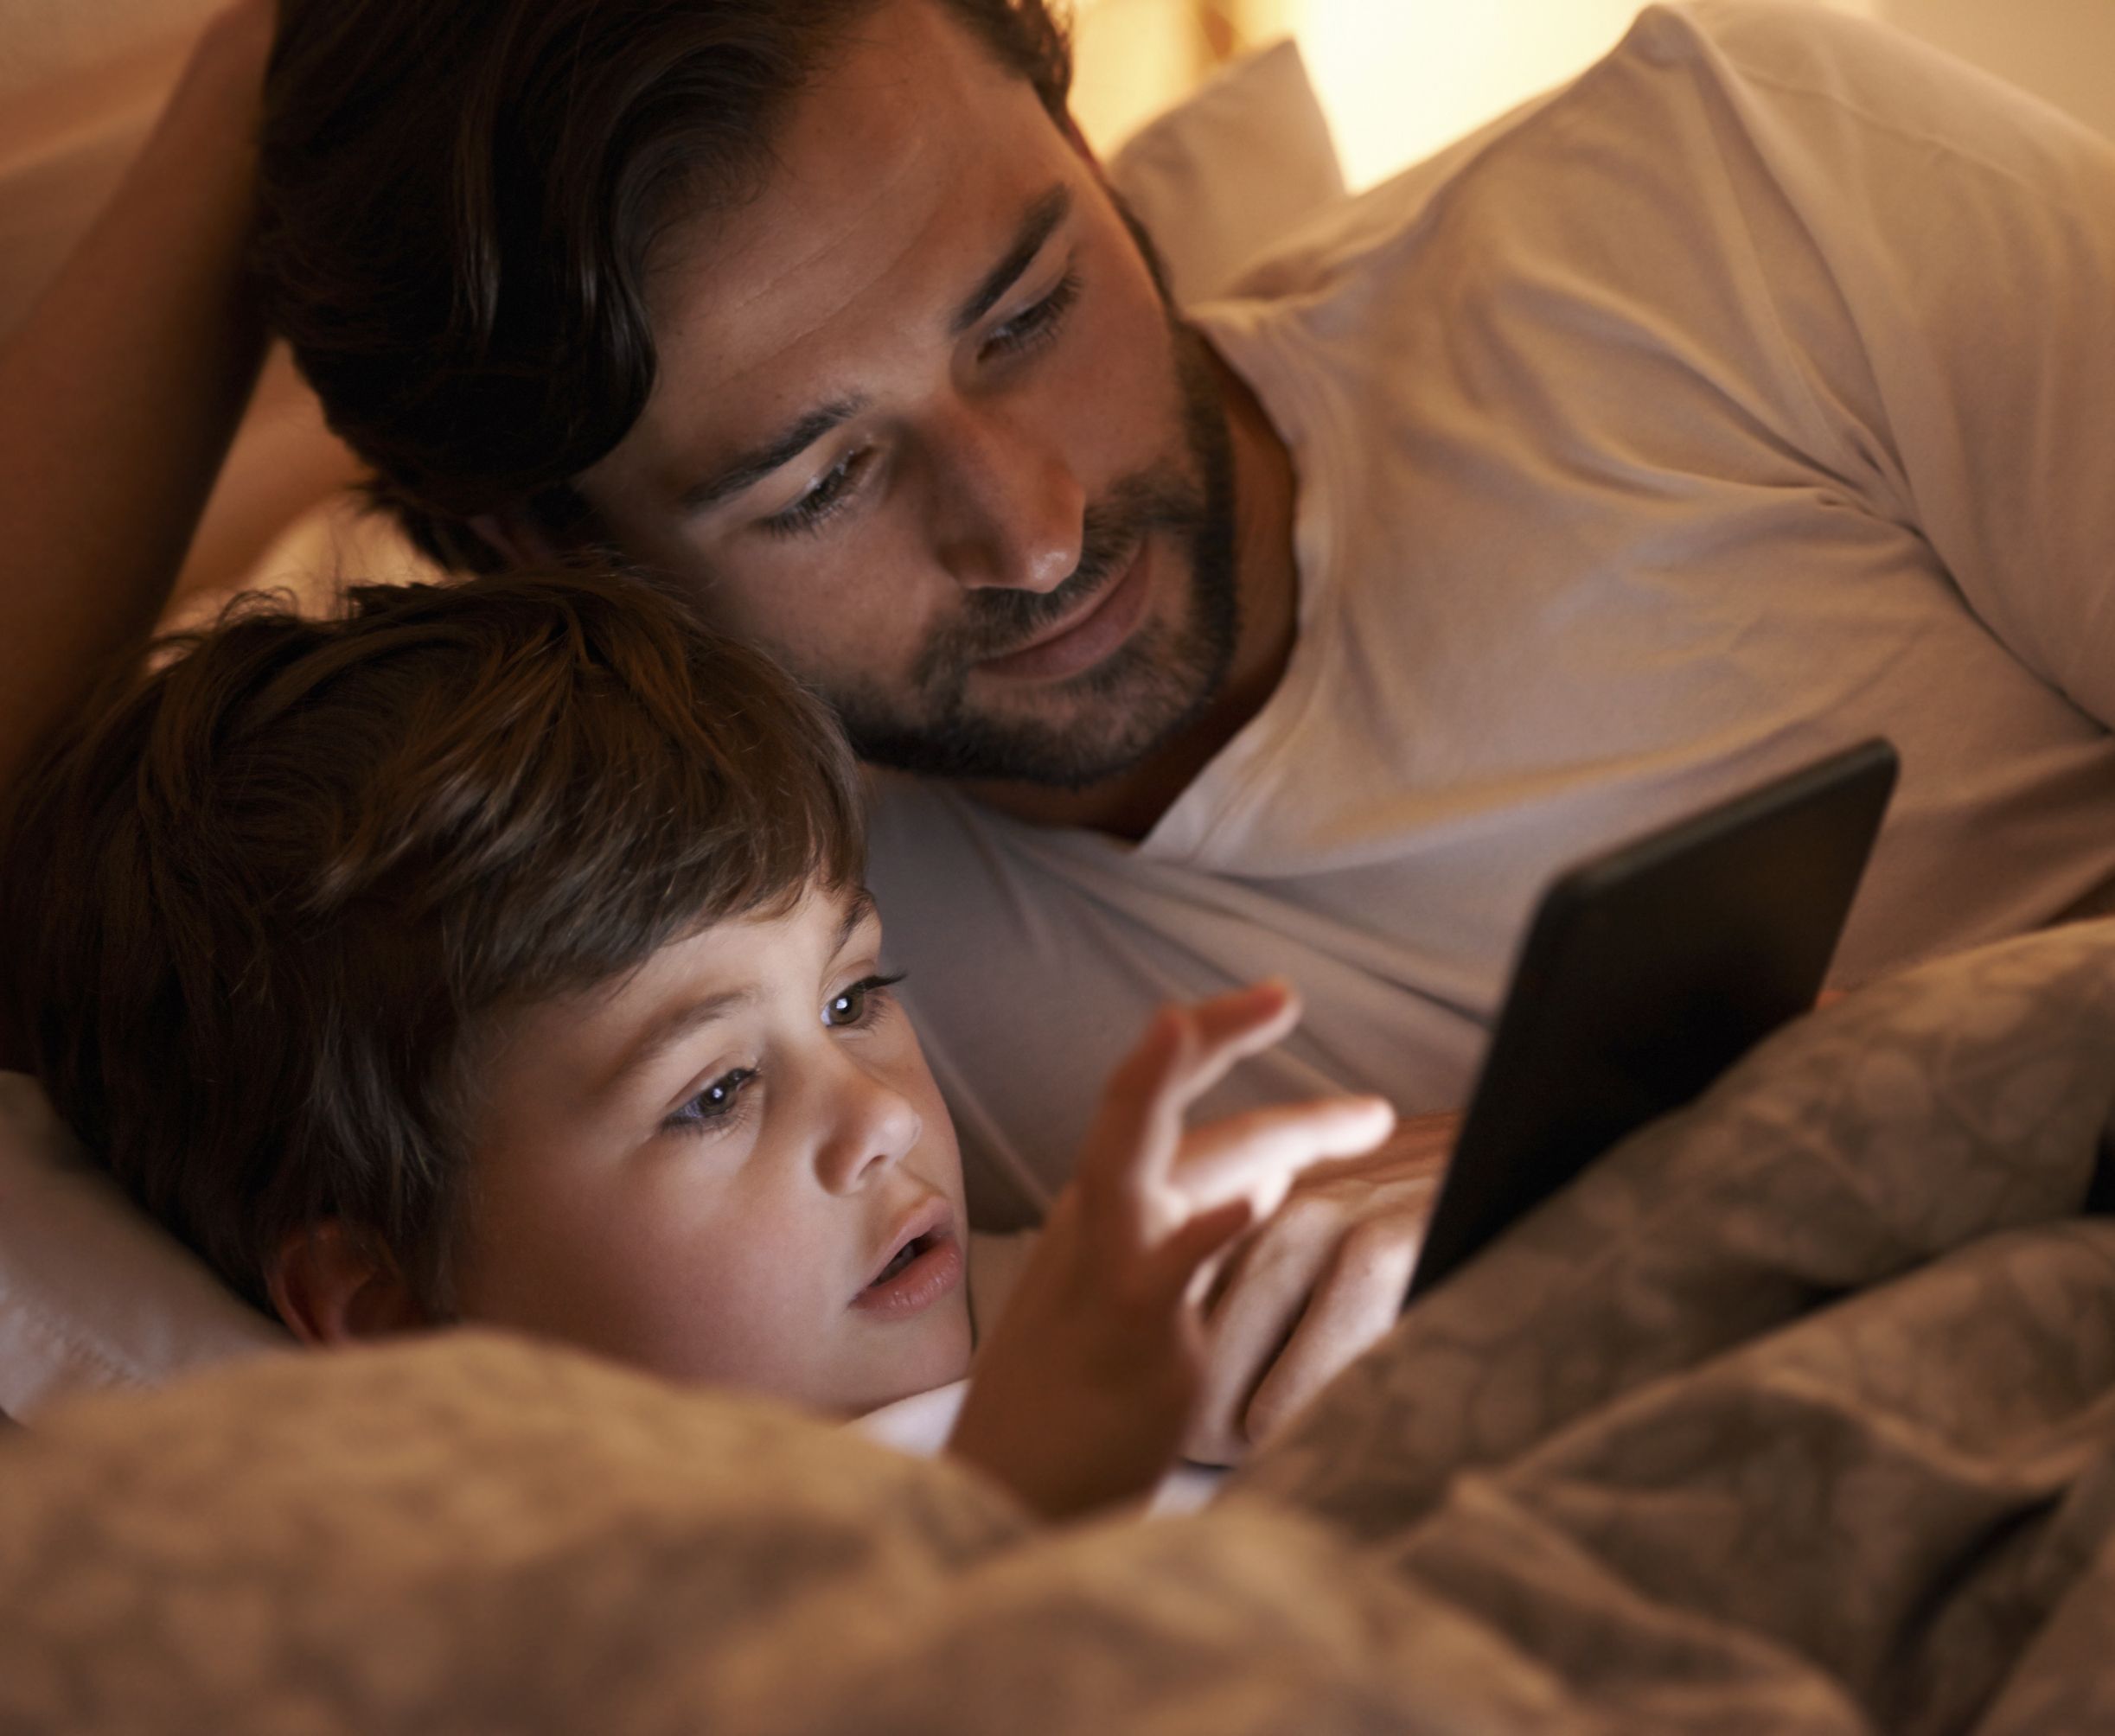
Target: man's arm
(1316,1286)
(121,389)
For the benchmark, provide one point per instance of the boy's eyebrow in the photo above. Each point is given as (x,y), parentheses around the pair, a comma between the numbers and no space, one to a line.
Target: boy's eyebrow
(1036,227)
(673,1026)
(858,908)
(666,1032)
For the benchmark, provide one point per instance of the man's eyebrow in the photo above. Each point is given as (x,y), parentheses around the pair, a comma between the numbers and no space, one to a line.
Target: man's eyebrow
(1036,227)
(666,1032)
(754,465)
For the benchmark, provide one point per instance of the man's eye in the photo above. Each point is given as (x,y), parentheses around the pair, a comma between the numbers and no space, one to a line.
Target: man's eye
(717,1105)
(831,492)
(861,1002)
(1035,325)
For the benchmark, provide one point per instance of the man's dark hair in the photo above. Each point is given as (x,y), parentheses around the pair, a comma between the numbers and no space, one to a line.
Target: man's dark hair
(457,202)
(275,887)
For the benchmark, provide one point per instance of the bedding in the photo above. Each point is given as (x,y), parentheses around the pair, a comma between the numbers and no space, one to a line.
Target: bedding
(1796,1413)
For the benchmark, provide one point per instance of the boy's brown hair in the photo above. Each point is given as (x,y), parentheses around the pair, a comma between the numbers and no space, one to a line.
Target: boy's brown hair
(273,886)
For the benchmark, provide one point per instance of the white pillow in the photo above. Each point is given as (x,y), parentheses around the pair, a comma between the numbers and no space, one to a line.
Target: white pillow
(94,1294)
(1223,177)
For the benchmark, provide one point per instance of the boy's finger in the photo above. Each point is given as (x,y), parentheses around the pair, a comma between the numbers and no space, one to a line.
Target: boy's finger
(1138,1127)
(1186,1052)
(1232,1027)
(1256,1155)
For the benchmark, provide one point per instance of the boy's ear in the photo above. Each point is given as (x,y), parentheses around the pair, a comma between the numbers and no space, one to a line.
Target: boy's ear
(333,1285)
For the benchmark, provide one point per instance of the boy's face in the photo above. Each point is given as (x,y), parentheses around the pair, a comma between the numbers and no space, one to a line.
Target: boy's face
(704,1168)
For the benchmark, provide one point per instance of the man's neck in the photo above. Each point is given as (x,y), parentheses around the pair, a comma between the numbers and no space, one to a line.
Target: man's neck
(1267,590)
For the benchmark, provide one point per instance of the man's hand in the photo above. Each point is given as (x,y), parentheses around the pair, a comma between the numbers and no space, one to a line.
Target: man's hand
(1085,1389)
(1314,1285)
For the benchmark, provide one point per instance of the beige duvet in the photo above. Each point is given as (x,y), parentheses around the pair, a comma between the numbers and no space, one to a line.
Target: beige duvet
(1796,1413)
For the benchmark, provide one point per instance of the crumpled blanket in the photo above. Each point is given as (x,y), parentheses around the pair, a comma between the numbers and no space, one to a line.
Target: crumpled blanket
(1796,1412)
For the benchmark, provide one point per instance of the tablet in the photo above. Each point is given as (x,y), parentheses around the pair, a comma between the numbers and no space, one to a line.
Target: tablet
(1646,973)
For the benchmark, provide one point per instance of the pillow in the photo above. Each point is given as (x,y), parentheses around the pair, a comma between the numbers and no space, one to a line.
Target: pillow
(91,1293)
(1222,177)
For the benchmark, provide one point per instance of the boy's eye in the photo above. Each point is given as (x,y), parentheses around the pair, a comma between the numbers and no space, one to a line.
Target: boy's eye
(858,1004)
(717,1103)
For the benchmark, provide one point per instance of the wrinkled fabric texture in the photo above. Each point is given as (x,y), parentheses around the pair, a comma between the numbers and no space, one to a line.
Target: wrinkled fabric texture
(1796,1413)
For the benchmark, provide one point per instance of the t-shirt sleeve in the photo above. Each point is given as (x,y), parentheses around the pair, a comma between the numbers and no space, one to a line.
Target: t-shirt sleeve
(1966,232)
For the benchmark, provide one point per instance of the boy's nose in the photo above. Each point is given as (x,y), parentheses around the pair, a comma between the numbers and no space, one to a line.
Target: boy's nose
(876,1126)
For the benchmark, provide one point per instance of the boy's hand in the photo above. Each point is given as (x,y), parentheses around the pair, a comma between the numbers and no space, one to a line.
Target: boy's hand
(1084,1392)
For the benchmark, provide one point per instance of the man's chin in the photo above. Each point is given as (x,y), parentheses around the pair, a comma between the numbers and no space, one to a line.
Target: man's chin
(1138,702)
(1095,728)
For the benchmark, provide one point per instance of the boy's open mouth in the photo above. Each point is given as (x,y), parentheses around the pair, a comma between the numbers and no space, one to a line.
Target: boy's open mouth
(926,1263)
(910,1251)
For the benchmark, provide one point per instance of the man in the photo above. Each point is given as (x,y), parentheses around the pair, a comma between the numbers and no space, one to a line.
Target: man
(1677,430)
(1745,398)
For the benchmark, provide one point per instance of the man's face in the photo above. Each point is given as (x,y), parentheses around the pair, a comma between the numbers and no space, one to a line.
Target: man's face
(925,430)
(732,1166)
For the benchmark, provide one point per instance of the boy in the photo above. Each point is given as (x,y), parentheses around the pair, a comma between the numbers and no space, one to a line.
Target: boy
(497,953)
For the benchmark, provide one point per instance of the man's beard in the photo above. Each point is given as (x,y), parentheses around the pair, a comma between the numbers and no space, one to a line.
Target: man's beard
(1105,720)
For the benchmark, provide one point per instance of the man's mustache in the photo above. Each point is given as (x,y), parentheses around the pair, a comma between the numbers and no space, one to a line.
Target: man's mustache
(996,620)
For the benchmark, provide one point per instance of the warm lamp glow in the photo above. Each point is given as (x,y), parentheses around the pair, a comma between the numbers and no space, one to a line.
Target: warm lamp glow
(1401,78)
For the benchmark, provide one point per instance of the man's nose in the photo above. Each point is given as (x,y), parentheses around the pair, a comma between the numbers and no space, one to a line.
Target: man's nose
(871,1128)
(1011,511)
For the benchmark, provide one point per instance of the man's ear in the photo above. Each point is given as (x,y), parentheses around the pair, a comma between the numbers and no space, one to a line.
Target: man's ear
(334,1285)
(515,539)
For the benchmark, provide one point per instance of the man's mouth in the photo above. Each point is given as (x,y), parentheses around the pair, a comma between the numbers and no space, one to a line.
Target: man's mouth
(1079,640)
(925,1263)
